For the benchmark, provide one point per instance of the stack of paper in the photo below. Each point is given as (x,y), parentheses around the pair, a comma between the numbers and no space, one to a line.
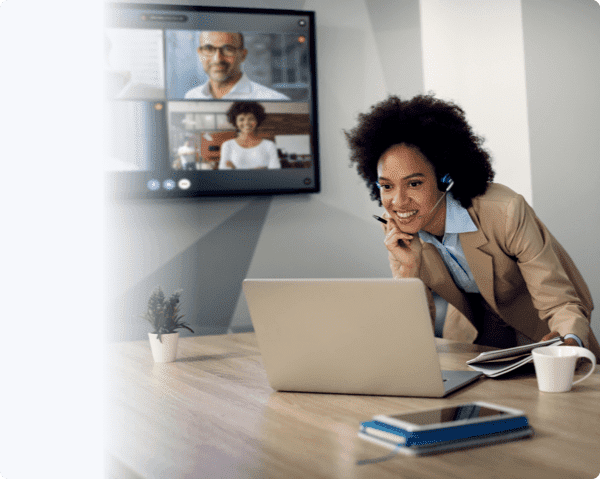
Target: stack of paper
(496,363)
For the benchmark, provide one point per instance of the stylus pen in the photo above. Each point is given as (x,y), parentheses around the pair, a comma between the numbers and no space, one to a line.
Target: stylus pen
(379,218)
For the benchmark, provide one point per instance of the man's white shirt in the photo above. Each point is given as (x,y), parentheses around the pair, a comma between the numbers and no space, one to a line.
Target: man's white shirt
(244,89)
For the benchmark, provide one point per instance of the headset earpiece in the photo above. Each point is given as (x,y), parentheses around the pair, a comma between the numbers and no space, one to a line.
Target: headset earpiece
(445,183)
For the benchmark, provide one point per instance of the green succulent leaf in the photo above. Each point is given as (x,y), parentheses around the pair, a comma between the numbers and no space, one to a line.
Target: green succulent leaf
(163,314)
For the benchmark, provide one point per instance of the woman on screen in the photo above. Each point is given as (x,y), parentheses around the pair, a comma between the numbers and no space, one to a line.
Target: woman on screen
(248,151)
(475,243)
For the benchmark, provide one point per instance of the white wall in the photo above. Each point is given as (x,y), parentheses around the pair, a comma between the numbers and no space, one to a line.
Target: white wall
(562,58)
(473,55)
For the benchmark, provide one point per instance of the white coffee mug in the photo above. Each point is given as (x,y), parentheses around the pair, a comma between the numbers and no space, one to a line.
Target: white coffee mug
(555,367)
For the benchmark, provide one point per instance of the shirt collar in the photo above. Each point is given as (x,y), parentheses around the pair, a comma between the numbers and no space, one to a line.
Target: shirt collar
(458,219)
(243,86)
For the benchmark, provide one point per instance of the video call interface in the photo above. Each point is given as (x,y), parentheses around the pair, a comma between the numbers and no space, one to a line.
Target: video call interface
(173,130)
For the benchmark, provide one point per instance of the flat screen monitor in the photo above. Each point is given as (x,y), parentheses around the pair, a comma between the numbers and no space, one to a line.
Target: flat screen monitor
(209,101)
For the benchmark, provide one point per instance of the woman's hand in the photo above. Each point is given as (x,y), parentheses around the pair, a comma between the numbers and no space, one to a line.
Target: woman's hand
(566,342)
(404,251)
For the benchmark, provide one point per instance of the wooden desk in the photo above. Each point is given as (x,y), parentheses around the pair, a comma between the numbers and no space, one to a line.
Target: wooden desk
(212,414)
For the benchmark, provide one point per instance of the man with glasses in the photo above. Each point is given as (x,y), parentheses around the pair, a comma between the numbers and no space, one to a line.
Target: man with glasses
(222,55)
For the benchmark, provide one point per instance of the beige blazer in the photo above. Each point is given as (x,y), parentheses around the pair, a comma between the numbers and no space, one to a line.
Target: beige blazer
(522,272)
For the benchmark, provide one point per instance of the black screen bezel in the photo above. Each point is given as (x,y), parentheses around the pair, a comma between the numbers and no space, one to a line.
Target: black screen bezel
(132,184)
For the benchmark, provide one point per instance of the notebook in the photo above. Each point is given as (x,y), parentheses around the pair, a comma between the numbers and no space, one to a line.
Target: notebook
(349,336)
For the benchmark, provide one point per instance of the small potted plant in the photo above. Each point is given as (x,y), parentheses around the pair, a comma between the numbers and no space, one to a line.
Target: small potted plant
(164,316)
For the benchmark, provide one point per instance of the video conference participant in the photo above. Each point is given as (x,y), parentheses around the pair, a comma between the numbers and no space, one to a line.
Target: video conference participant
(248,151)
(222,55)
(475,243)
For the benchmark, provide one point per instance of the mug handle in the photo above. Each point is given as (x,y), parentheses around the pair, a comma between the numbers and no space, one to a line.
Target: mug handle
(586,353)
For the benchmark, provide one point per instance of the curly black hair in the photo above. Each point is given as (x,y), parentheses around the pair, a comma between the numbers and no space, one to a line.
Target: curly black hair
(437,128)
(241,107)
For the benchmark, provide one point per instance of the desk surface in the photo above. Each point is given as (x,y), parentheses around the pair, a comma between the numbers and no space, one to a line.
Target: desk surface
(212,414)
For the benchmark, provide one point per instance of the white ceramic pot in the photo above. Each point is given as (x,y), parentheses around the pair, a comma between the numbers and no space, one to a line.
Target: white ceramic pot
(165,351)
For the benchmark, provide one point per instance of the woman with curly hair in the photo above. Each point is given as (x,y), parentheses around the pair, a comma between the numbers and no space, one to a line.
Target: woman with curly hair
(475,243)
(248,151)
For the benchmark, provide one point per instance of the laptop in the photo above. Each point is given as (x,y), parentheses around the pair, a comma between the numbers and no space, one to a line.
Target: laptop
(349,336)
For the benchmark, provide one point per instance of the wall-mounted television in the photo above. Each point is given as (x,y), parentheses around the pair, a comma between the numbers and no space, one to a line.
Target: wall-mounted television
(209,101)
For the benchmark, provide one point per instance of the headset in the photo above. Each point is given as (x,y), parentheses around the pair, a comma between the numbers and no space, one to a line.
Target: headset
(445,181)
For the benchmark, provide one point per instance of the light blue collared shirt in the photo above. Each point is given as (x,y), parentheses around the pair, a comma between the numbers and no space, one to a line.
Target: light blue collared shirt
(450,249)
(458,221)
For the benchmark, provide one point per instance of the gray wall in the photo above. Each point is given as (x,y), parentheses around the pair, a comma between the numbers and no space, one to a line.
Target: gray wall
(562,60)
(366,50)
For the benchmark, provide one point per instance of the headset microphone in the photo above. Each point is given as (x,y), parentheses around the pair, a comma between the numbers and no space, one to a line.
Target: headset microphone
(445,180)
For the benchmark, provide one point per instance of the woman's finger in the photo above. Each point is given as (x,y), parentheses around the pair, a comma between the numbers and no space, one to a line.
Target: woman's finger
(395,237)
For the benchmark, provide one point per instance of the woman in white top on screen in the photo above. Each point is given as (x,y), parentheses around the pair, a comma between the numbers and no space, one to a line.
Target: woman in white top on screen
(248,151)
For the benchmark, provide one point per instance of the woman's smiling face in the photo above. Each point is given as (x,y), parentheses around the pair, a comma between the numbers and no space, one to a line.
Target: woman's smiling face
(246,122)
(409,191)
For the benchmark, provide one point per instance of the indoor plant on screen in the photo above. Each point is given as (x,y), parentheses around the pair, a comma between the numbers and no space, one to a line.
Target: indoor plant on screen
(164,316)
